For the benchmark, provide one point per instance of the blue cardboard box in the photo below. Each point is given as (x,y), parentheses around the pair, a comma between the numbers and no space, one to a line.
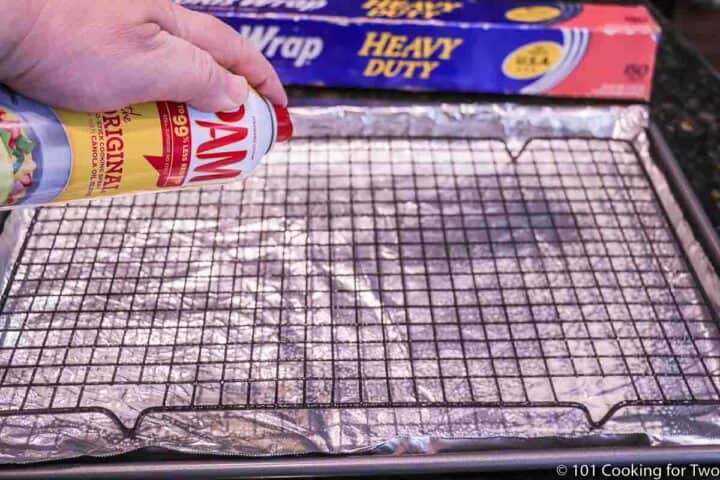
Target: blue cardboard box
(485,46)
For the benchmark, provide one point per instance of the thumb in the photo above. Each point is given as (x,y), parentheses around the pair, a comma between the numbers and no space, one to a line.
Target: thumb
(189,74)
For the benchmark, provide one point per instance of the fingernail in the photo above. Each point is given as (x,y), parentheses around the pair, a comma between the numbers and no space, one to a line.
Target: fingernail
(237,89)
(284,99)
(282,94)
(285,95)
(229,106)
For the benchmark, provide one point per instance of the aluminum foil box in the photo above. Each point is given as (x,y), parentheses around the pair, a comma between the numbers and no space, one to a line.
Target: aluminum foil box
(489,46)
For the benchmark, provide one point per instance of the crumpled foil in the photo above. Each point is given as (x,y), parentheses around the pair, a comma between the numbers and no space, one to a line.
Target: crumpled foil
(398,279)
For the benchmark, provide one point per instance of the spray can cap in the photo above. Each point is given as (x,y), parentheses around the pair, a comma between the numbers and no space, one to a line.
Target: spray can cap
(284,124)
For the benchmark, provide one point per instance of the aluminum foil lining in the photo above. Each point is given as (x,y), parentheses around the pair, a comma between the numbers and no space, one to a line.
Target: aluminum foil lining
(399,279)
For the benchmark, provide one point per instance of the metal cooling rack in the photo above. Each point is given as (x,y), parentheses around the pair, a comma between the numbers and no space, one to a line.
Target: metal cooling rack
(365,273)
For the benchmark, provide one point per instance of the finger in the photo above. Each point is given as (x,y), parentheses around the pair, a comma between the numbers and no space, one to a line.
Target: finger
(229,49)
(189,74)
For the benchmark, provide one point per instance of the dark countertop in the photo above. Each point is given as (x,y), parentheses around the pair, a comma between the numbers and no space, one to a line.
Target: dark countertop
(686,107)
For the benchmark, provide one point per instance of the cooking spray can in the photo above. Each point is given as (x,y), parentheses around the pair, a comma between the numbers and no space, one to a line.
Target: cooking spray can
(55,156)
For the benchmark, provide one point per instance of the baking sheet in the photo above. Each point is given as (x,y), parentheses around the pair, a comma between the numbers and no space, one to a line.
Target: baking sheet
(344,300)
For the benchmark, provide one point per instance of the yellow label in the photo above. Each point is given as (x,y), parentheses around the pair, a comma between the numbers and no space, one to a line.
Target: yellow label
(533,14)
(532,60)
(140,148)
(405,56)
(421,9)
(109,151)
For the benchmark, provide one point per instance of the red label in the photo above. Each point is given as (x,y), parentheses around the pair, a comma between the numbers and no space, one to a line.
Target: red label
(172,166)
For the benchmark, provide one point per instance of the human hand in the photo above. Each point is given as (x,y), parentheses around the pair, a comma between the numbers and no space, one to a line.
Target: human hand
(99,55)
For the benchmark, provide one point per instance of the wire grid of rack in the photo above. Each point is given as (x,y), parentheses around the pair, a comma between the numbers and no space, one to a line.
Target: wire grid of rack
(365,273)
